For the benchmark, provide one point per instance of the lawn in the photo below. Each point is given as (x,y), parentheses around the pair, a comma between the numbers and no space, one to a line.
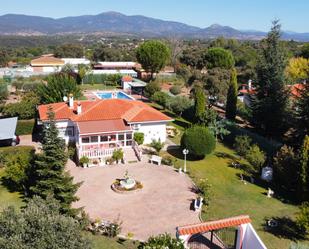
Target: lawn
(101,242)
(7,198)
(231,197)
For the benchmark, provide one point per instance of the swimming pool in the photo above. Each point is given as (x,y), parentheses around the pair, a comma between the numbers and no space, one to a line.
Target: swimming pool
(113,95)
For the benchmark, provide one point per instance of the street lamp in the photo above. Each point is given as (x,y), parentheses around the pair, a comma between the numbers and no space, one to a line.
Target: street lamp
(185,152)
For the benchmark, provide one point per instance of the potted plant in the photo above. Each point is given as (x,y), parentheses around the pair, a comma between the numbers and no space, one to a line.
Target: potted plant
(84,161)
(117,155)
(95,162)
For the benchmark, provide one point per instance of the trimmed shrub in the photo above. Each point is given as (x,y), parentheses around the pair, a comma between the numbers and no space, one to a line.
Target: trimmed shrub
(199,140)
(117,155)
(175,90)
(139,137)
(25,127)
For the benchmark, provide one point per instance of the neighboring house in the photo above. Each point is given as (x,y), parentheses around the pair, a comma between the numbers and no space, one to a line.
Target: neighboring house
(76,61)
(46,64)
(116,67)
(246,91)
(98,127)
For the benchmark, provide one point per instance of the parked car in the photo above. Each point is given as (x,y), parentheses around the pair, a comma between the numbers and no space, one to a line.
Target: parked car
(8,136)
(10,142)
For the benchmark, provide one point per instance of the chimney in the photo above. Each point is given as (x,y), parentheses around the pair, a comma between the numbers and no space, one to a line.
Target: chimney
(79,108)
(249,84)
(71,101)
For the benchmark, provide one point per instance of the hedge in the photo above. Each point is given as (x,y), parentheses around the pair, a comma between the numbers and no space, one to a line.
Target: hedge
(16,150)
(25,127)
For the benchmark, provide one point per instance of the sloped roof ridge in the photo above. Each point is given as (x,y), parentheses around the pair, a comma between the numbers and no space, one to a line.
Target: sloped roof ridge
(87,111)
(214,225)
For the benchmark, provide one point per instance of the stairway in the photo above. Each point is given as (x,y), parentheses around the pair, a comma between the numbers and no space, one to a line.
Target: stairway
(130,156)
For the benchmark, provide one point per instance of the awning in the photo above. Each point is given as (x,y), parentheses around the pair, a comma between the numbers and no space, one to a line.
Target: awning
(102,126)
(7,128)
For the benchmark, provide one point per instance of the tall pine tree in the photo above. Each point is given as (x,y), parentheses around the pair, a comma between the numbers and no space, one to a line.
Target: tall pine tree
(270,102)
(231,101)
(48,172)
(302,112)
(303,180)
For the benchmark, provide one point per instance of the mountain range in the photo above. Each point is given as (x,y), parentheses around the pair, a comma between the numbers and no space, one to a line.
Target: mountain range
(117,23)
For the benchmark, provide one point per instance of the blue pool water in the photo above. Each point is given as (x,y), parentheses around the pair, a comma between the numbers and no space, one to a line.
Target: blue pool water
(113,95)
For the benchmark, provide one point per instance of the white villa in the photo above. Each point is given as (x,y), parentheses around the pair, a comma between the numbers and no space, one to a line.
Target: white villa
(99,127)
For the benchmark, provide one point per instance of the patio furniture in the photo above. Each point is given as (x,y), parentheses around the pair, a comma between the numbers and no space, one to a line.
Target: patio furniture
(156,159)
(198,203)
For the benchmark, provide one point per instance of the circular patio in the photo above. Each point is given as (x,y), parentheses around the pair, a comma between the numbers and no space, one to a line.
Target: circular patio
(160,206)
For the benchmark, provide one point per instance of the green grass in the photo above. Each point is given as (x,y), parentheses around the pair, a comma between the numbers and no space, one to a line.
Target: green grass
(97,87)
(7,198)
(25,127)
(101,242)
(231,197)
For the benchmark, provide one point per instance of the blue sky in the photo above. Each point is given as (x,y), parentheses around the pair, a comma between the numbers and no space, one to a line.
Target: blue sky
(240,14)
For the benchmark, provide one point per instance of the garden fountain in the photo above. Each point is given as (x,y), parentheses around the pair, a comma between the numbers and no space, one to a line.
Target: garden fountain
(126,184)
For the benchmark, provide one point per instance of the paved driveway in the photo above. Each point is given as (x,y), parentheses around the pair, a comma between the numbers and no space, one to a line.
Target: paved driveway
(163,204)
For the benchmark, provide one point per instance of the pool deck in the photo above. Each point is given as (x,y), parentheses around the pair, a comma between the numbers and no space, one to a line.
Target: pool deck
(90,95)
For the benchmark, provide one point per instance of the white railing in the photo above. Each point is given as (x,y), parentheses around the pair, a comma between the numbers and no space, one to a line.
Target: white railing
(137,150)
(96,153)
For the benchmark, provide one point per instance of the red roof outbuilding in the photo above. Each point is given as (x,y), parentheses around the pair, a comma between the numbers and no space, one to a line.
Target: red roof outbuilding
(213,225)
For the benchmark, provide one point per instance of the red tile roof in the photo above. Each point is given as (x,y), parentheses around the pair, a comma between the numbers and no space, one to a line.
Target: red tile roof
(127,78)
(108,109)
(88,127)
(296,90)
(213,225)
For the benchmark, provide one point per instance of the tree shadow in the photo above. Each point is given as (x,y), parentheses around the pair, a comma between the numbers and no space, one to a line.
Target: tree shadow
(283,227)
(226,155)
(181,123)
(177,153)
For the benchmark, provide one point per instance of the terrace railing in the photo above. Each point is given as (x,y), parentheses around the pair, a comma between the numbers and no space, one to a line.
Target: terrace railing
(137,150)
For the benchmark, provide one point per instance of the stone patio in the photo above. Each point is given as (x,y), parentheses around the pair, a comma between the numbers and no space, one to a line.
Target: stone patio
(163,204)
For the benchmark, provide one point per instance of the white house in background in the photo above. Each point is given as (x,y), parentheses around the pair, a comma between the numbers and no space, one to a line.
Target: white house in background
(46,64)
(197,235)
(116,67)
(129,72)
(99,127)
(76,61)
